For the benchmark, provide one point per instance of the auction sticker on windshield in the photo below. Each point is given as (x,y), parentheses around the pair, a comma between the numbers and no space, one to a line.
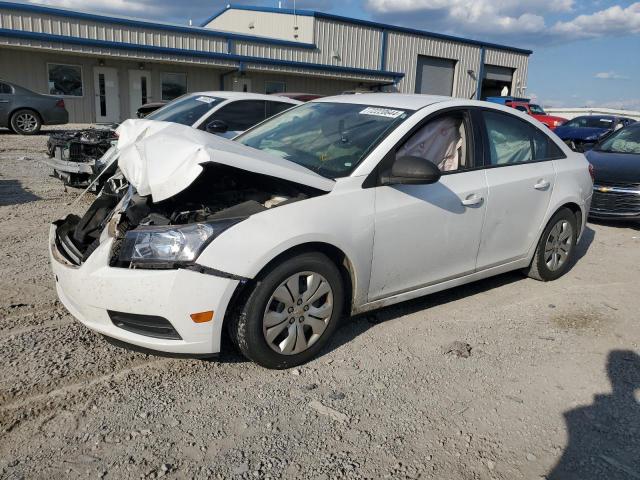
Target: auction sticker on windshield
(206,99)
(382,112)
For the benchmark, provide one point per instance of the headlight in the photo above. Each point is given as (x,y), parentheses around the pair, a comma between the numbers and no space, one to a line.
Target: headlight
(163,247)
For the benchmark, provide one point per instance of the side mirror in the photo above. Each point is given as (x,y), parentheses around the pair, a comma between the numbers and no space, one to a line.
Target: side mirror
(217,126)
(410,170)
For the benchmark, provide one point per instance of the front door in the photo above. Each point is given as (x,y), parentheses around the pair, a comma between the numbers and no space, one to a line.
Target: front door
(426,234)
(139,90)
(107,94)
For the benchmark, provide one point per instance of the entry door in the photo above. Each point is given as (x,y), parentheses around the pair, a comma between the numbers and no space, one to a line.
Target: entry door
(107,94)
(241,84)
(139,90)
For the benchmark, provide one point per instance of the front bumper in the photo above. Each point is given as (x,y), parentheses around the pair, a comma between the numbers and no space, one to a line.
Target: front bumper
(92,289)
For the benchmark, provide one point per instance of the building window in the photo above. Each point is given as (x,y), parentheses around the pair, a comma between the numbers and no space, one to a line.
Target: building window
(173,85)
(65,80)
(274,87)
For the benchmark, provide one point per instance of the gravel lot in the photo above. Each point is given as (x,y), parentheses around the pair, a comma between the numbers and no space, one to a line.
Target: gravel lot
(551,386)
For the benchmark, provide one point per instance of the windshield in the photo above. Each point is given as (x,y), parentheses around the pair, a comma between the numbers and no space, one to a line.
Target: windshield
(590,122)
(537,110)
(626,140)
(185,110)
(328,138)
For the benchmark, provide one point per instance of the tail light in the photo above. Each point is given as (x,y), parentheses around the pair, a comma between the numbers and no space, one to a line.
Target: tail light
(592,172)
(60,103)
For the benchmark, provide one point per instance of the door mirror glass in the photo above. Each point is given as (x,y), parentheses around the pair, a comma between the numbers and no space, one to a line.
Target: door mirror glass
(410,170)
(217,126)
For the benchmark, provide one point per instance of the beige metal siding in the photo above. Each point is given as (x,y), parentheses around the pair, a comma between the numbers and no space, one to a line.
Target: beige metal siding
(112,32)
(402,56)
(266,24)
(518,61)
(299,84)
(353,45)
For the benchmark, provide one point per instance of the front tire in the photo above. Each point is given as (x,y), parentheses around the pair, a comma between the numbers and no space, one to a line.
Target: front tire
(26,122)
(290,313)
(556,247)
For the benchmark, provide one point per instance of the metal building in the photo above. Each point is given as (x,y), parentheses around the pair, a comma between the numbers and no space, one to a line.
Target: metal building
(107,66)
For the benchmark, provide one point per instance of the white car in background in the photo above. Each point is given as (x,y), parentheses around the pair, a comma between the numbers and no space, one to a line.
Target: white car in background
(338,206)
(221,113)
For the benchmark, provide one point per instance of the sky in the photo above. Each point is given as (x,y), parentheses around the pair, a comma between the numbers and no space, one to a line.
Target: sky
(586,52)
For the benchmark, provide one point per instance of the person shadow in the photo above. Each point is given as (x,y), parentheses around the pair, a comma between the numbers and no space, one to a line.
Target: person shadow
(604,437)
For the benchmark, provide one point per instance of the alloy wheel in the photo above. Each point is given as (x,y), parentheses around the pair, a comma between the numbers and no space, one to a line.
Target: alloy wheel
(298,313)
(26,122)
(558,245)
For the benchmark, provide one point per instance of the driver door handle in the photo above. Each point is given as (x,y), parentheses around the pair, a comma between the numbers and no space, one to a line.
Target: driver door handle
(542,184)
(473,199)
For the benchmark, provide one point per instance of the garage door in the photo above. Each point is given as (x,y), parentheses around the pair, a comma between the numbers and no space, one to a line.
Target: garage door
(435,75)
(500,74)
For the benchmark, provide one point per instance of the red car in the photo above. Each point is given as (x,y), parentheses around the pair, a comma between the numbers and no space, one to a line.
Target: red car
(538,113)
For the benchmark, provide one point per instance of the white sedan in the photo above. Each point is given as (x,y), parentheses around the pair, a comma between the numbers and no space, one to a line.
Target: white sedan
(335,207)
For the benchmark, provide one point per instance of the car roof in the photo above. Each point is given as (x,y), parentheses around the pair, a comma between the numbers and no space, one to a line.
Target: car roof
(390,100)
(603,117)
(227,95)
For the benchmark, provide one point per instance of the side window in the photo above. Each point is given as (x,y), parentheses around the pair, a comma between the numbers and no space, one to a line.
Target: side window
(443,141)
(512,141)
(273,108)
(5,88)
(241,115)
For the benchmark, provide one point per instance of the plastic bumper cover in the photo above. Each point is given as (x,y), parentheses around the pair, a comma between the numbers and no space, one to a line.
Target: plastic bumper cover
(91,290)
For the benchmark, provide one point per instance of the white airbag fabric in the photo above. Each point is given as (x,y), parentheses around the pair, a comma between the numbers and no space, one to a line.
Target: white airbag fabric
(161,159)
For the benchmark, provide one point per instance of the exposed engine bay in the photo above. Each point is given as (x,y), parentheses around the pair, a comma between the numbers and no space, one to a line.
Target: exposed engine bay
(77,153)
(219,193)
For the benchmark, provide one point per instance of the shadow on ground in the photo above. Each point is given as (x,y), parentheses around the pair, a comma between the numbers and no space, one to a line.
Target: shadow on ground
(604,437)
(634,224)
(12,193)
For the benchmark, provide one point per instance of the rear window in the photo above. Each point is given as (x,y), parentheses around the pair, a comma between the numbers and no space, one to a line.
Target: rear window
(185,110)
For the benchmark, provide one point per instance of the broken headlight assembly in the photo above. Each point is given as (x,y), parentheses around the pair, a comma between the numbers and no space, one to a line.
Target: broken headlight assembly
(170,246)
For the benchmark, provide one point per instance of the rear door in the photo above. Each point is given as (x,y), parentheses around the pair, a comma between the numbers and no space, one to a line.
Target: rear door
(520,177)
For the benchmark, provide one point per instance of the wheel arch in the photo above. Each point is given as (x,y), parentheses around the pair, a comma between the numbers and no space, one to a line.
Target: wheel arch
(336,255)
(12,112)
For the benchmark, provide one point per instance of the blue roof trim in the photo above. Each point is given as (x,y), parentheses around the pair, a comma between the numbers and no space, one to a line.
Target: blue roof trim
(136,22)
(195,53)
(369,23)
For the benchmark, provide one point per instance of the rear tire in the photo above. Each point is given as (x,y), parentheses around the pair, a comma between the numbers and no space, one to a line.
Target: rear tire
(26,122)
(556,247)
(290,313)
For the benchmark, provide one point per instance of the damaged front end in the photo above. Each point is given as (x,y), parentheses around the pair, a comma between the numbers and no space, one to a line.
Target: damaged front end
(75,155)
(172,233)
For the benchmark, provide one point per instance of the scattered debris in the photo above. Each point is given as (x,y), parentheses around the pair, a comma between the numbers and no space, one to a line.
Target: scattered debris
(328,411)
(457,348)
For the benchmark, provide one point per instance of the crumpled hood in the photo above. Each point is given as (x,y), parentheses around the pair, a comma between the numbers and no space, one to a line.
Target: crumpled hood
(161,159)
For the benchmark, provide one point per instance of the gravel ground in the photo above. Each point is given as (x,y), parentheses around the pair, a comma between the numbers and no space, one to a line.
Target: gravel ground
(550,385)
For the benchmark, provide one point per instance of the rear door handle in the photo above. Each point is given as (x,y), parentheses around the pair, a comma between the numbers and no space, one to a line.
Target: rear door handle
(471,200)
(4,101)
(541,185)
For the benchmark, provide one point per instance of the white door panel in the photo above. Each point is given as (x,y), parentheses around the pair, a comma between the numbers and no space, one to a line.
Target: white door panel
(424,234)
(518,200)
(107,94)
(139,90)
